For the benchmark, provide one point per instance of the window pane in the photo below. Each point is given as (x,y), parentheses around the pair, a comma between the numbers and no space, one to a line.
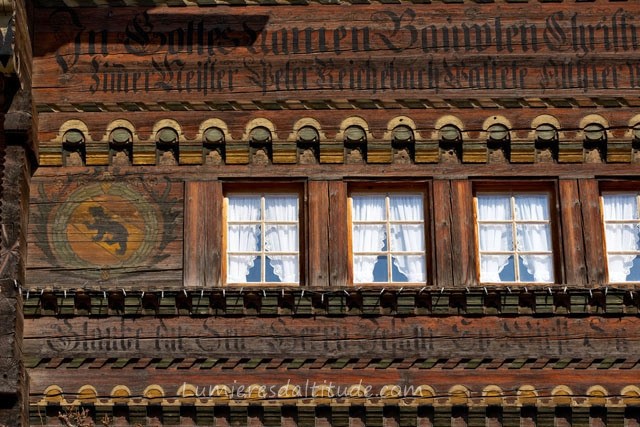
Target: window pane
(406,208)
(532,208)
(538,266)
(381,269)
(243,238)
(254,225)
(281,238)
(622,237)
(285,268)
(412,268)
(239,266)
(281,208)
(363,266)
(496,237)
(497,268)
(368,208)
(407,238)
(493,208)
(620,207)
(243,208)
(368,238)
(534,238)
(388,236)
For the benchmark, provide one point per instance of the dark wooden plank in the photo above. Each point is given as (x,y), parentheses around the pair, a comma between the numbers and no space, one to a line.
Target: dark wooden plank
(575,268)
(195,225)
(203,234)
(318,233)
(15,173)
(239,54)
(302,337)
(463,234)
(309,379)
(338,172)
(213,235)
(339,256)
(593,230)
(442,239)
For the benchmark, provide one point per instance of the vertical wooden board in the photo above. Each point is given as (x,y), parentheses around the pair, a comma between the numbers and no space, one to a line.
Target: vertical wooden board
(442,233)
(338,234)
(572,241)
(194,236)
(593,231)
(214,233)
(462,232)
(318,235)
(202,234)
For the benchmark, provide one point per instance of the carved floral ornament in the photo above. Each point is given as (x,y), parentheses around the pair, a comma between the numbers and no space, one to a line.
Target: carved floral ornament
(492,395)
(591,140)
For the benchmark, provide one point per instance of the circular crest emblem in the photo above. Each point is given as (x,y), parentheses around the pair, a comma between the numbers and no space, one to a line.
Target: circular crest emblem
(107,225)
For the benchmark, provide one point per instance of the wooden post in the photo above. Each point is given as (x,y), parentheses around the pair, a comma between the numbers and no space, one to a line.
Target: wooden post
(318,235)
(202,234)
(13,224)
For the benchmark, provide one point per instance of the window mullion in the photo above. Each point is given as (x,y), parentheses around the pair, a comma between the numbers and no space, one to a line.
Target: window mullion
(514,231)
(388,231)
(263,263)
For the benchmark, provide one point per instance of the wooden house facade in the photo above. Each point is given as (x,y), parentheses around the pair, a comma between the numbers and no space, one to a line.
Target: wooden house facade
(323,213)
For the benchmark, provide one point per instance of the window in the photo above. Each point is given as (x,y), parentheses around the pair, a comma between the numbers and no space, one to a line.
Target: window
(514,233)
(622,236)
(388,238)
(262,238)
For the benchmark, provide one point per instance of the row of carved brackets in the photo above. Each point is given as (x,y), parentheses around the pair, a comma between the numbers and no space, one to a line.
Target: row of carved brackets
(421,146)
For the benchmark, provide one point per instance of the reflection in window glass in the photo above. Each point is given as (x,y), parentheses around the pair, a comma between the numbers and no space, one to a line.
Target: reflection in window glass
(514,233)
(622,236)
(262,239)
(388,238)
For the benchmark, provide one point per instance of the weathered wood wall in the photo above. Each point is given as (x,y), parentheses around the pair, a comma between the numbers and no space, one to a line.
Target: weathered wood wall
(125,229)
(371,51)
(146,222)
(98,229)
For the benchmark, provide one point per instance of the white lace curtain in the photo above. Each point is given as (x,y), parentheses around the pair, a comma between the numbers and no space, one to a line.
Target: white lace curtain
(535,237)
(372,237)
(244,235)
(620,237)
(494,237)
(282,237)
(498,237)
(367,237)
(408,237)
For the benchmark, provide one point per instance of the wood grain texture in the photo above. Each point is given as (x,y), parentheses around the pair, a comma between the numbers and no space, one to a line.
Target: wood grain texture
(318,233)
(593,231)
(129,54)
(383,337)
(339,255)
(441,380)
(103,230)
(575,268)
(15,172)
(463,234)
(203,234)
(443,240)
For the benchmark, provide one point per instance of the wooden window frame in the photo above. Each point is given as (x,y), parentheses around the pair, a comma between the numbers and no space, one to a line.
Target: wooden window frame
(260,189)
(390,188)
(615,187)
(548,187)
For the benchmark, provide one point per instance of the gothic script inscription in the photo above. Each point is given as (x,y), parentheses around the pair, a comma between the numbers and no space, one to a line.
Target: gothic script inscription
(373,51)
